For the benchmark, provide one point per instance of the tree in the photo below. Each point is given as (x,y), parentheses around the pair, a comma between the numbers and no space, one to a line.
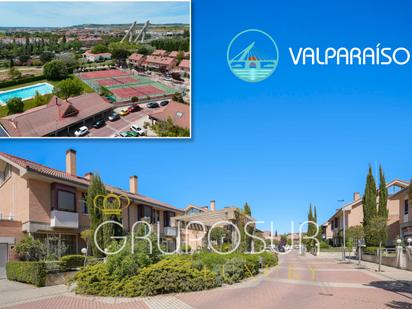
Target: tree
(246,209)
(369,205)
(99,48)
(178,97)
(96,187)
(353,234)
(383,195)
(120,54)
(15,105)
(376,231)
(69,88)
(169,129)
(46,56)
(39,99)
(55,70)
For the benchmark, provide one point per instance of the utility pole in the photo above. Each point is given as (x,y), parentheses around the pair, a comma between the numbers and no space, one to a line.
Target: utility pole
(344,230)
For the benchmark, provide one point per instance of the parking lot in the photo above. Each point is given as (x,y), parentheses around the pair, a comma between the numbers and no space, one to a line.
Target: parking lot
(114,128)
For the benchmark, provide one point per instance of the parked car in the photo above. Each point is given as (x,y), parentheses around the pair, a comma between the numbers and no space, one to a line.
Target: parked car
(81,131)
(114,116)
(99,123)
(152,105)
(134,108)
(124,111)
(164,103)
(129,134)
(137,129)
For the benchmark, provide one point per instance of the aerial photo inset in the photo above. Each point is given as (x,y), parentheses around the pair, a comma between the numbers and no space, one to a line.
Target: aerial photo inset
(95,69)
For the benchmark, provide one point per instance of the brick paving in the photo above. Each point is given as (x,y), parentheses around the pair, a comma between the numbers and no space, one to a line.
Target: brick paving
(298,282)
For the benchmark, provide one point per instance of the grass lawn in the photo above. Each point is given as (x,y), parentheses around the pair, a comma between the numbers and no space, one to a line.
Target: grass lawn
(28,104)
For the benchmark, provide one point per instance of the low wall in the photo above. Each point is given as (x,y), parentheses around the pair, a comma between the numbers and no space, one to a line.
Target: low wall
(391,261)
(59,278)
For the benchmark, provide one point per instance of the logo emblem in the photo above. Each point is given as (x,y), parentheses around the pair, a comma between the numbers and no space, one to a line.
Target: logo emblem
(111,204)
(252,55)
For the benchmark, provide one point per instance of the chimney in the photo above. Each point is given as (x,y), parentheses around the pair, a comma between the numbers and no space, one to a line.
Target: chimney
(71,162)
(212,205)
(88,175)
(356,196)
(133,184)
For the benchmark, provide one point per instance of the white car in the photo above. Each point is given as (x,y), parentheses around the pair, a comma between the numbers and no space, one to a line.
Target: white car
(137,129)
(81,131)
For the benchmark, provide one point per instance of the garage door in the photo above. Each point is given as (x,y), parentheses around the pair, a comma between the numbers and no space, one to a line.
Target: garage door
(3,260)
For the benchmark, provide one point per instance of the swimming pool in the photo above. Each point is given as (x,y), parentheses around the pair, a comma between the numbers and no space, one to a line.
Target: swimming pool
(25,93)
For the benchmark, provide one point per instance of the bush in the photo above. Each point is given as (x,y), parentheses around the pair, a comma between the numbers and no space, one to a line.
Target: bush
(55,70)
(15,105)
(234,270)
(269,259)
(73,261)
(171,275)
(96,280)
(27,272)
(29,249)
(134,99)
(324,245)
(370,250)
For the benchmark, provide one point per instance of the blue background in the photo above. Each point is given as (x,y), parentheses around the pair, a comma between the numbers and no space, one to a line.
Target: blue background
(306,134)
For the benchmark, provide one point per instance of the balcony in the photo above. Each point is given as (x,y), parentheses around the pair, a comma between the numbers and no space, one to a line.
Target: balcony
(170,231)
(64,219)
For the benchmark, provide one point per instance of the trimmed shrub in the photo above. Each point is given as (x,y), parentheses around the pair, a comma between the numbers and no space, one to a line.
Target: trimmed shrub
(269,259)
(234,270)
(73,261)
(96,280)
(171,275)
(21,81)
(27,272)
(370,250)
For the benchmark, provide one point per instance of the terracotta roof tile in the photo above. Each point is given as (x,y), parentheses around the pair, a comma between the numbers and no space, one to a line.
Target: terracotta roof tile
(178,112)
(51,172)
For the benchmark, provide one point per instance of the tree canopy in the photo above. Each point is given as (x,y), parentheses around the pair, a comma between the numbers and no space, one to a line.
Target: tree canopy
(55,70)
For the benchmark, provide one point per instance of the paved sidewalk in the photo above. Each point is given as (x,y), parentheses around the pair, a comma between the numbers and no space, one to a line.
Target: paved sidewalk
(298,282)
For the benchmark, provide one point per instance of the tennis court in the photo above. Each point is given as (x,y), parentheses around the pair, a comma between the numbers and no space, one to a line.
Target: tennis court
(124,85)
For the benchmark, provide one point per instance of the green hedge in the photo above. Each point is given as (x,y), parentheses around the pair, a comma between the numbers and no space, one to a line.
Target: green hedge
(73,261)
(21,81)
(370,250)
(27,272)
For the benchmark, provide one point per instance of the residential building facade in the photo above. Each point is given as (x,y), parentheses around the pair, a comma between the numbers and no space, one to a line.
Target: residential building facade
(51,205)
(353,212)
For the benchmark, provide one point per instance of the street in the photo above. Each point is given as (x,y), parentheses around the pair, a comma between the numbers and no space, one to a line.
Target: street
(297,282)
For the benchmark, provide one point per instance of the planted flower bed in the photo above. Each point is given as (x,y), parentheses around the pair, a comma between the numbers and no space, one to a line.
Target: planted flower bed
(170,274)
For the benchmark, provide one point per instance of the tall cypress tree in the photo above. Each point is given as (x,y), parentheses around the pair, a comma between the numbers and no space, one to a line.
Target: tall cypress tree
(369,204)
(383,195)
(96,187)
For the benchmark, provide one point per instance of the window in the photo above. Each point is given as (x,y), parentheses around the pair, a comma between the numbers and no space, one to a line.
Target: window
(167,216)
(193,211)
(5,172)
(66,201)
(144,212)
(406,208)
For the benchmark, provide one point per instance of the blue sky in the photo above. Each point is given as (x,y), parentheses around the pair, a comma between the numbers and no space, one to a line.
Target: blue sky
(52,14)
(305,135)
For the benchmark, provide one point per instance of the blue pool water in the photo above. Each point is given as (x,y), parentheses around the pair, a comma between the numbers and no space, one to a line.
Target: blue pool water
(25,92)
